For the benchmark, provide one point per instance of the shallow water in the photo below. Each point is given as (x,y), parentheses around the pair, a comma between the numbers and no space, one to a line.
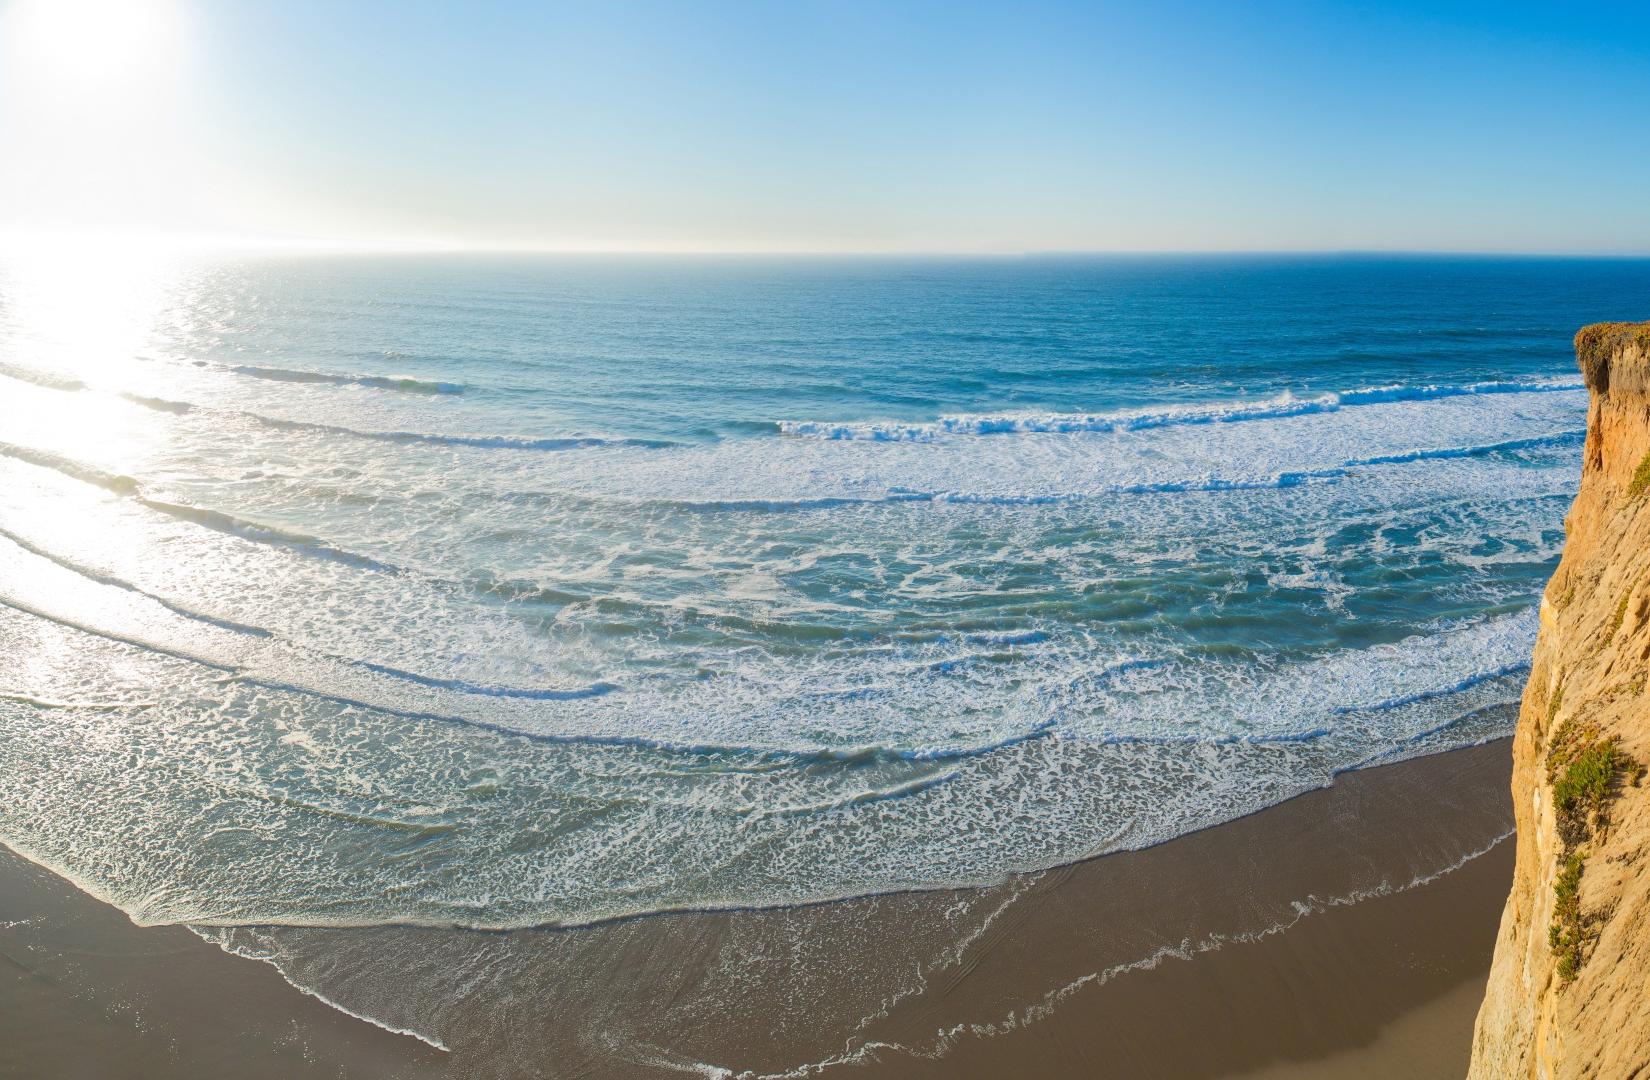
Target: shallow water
(506,592)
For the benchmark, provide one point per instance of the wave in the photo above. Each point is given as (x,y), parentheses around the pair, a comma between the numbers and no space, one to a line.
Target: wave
(463,686)
(237,672)
(304,543)
(859,798)
(50,380)
(491,442)
(1461,686)
(216,520)
(94,574)
(52,703)
(1375,395)
(259,532)
(755,753)
(859,755)
(1283,406)
(158,404)
(109,635)
(88,474)
(434,710)
(126,485)
(404,383)
(1019,637)
(809,802)
(482,583)
(1533,442)
(575,693)
(1281,739)
(216,937)
(486,442)
(1281,480)
(1406,747)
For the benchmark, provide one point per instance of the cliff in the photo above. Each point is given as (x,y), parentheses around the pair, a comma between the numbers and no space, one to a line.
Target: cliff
(1569,990)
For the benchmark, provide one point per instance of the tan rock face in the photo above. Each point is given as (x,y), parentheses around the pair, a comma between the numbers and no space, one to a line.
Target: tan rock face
(1587,689)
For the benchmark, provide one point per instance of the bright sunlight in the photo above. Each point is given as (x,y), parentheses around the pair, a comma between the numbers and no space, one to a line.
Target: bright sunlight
(91,45)
(95,120)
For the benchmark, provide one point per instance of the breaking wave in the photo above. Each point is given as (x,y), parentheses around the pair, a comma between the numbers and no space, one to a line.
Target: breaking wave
(405,384)
(1283,406)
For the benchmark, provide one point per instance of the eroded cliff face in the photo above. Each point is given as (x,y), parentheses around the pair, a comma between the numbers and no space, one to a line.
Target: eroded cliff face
(1569,990)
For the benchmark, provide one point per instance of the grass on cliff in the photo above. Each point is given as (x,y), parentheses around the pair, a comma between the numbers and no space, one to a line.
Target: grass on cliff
(1641,479)
(1595,344)
(1620,615)
(1567,936)
(1582,793)
(1583,768)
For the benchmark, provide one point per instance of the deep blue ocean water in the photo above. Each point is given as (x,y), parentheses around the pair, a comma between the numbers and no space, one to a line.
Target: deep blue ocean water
(510,591)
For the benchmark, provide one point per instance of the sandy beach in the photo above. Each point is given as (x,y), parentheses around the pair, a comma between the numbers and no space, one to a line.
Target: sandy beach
(1265,948)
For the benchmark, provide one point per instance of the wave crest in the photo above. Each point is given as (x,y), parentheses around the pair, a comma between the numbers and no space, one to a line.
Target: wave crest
(405,384)
(1282,406)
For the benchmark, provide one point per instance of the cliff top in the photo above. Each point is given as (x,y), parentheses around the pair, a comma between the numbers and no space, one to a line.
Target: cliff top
(1596,344)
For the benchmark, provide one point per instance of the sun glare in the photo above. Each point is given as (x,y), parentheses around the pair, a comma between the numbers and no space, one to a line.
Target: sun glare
(84,45)
(74,322)
(82,311)
(96,128)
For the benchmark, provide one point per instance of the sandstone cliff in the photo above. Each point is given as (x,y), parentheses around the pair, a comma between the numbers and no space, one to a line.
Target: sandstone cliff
(1569,991)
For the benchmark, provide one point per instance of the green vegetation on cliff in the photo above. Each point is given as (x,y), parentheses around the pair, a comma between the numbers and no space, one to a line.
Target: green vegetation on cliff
(1595,345)
(1641,478)
(1583,769)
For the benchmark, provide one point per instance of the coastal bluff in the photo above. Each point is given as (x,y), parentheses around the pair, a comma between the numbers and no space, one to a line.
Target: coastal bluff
(1569,988)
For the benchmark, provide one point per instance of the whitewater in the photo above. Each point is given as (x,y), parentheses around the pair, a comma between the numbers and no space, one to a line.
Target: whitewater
(436,615)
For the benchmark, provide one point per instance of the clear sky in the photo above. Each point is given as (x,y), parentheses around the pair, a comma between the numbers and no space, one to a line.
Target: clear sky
(840,126)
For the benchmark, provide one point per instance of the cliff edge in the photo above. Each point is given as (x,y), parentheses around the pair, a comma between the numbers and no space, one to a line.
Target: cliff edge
(1569,990)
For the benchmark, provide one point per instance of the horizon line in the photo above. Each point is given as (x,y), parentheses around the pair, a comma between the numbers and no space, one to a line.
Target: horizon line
(180,243)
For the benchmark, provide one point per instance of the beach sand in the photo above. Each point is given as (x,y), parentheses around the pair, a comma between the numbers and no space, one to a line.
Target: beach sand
(1313,939)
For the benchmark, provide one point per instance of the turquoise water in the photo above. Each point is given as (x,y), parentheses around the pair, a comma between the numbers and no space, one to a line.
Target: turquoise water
(501,592)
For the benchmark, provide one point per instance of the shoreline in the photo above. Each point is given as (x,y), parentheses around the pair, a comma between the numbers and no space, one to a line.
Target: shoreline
(1093,969)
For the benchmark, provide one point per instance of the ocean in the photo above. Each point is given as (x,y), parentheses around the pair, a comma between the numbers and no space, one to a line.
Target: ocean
(493,592)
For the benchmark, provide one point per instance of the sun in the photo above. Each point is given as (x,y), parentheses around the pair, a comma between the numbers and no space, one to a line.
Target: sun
(89,45)
(97,116)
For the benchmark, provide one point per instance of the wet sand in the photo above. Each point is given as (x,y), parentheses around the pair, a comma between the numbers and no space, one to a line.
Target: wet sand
(1318,938)
(85,993)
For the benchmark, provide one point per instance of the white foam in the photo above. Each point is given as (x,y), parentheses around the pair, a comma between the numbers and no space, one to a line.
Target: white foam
(1280,407)
(822,667)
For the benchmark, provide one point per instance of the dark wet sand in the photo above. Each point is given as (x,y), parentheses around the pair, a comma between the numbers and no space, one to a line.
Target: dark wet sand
(1387,987)
(84,993)
(1383,986)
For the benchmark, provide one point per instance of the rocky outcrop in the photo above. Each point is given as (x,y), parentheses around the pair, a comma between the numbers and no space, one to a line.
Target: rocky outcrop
(1569,990)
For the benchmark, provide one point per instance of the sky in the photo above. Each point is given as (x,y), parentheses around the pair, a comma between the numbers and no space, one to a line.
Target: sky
(829,127)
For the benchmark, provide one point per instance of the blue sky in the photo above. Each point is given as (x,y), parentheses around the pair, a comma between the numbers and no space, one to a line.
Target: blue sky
(840,126)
